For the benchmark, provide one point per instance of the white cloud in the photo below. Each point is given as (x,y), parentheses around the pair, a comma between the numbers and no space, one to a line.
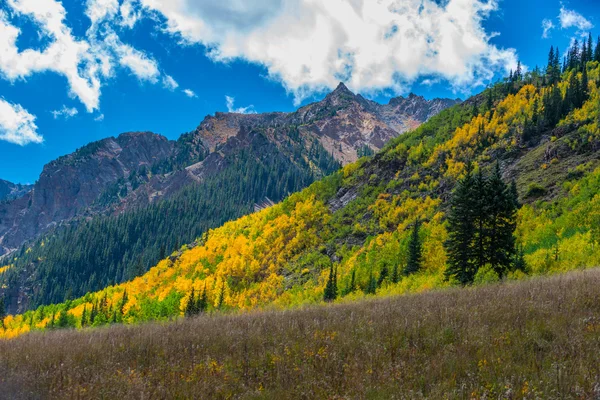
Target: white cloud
(99,118)
(17,125)
(86,62)
(240,110)
(189,93)
(572,19)
(65,112)
(547,25)
(310,45)
(143,67)
(64,55)
(97,10)
(170,83)
(129,15)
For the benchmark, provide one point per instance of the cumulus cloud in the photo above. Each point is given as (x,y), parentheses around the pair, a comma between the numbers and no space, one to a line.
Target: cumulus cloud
(189,93)
(572,19)
(170,83)
(17,125)
(65,112)
(99,118)
(86,62)
(129,14)
(547,26)
(64,55)
(143,67)
(311,45)
(240,110)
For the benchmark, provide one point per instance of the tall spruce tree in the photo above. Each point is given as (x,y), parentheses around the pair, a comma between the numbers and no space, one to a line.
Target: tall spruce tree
(2,311)
(482,221)
(371,287)
(383,274)
(415,250)
(190,309)
(330,293)
(597,51)
(202,304)
(461,228)
(501,223)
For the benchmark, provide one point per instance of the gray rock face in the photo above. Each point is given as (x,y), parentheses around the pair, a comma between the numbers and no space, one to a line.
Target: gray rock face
(73,186)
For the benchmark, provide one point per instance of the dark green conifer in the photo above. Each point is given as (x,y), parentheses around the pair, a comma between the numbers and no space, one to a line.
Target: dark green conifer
(415,250)
(383,274)
(461,229)
(371,287)
(190,309)
(330,293)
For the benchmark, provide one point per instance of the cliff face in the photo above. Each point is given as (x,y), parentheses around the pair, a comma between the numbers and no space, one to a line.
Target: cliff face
(71,184)
(113,175)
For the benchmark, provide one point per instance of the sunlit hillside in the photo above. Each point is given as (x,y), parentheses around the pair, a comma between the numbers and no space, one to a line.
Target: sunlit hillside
(353,228)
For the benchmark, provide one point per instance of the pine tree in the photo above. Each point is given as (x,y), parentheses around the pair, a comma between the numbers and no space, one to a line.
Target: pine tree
(93,313)
(395,278)
(371,287)
(461,228)
(415,250)
(590,48)
(330,293)
(502,211)
(383,274)
(584,86)
(550,66)
(480,213)
(202,304)
(84,317)
(597,51)
(2,311)
(221,300)
(519,72)
(520,263)
(190,309)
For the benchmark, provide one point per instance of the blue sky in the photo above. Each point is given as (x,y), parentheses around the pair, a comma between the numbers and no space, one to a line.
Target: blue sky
(72,72)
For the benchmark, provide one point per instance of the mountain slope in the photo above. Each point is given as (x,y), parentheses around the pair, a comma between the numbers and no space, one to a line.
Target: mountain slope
(11,191)
(357,220)
(135,193)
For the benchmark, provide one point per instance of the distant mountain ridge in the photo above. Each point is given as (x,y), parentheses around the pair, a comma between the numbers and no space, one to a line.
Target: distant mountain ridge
(11,191)
(117,174)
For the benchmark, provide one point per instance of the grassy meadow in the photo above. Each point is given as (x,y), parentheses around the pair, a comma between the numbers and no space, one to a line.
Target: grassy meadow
(537,338)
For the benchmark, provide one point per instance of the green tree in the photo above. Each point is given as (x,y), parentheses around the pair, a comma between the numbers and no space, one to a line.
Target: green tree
(415,250)
(501,223)
(191,307)
(330,293)
(461,228)
(383,274)
(202,304)
(395,278)
(371,287)
(2,311)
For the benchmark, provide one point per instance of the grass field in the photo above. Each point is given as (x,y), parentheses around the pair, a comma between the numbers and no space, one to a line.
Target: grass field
(533,339)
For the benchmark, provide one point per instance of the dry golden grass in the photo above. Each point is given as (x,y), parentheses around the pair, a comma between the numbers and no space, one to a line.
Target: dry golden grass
(534,339)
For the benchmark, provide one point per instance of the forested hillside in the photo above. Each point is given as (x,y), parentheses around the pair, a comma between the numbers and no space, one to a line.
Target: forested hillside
(384,225)
(142,196)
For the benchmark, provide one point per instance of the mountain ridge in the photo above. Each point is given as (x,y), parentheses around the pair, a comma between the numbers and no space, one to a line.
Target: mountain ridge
(49,203)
